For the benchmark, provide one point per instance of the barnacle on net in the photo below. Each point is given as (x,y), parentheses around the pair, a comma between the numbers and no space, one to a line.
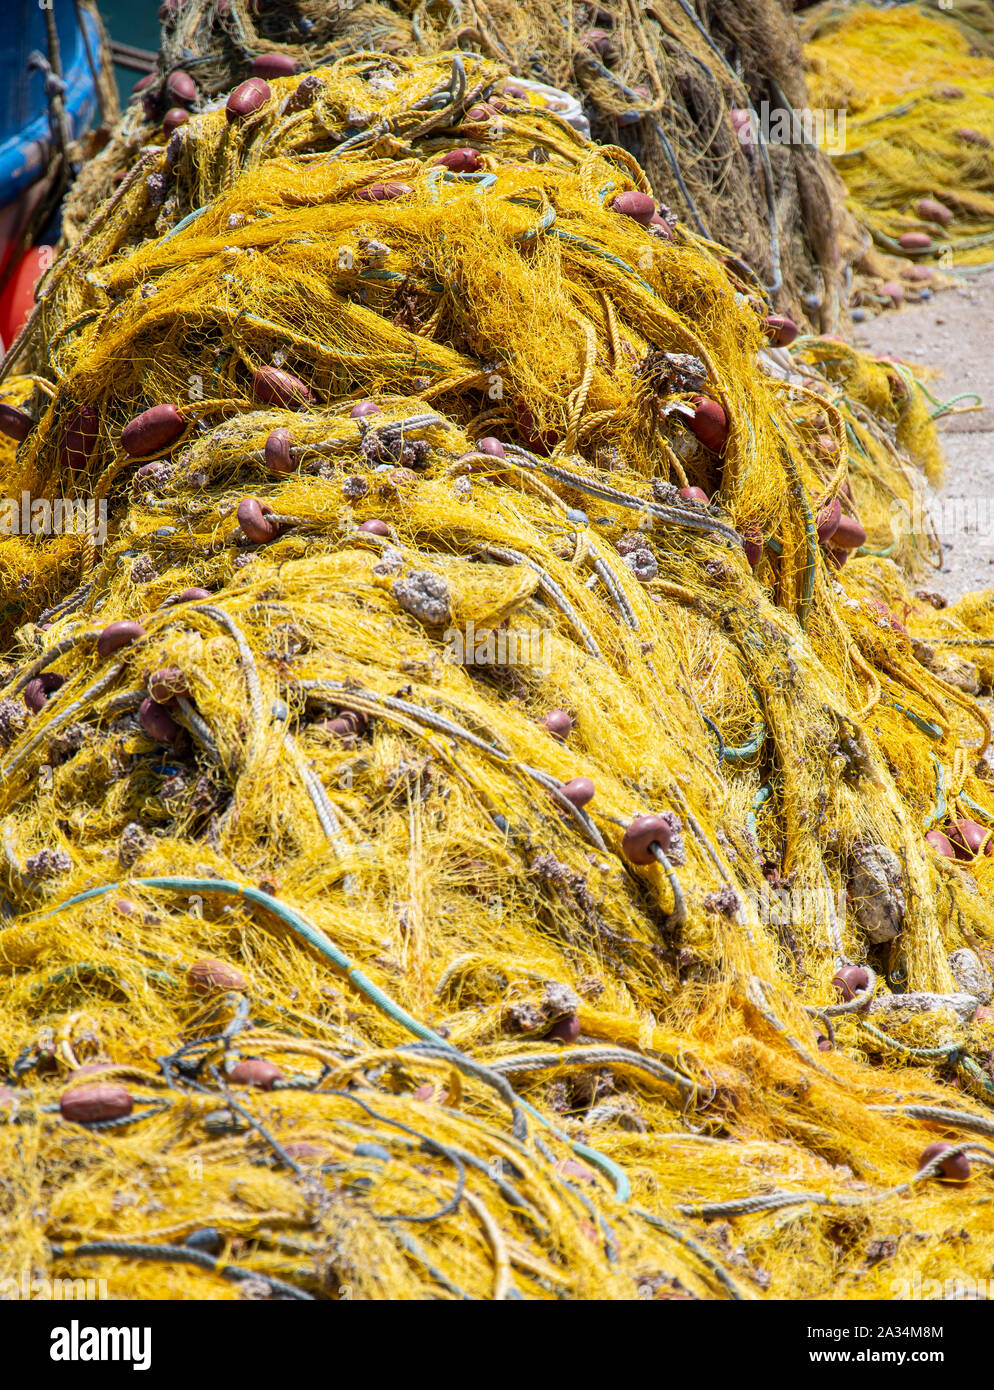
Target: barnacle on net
(424,595)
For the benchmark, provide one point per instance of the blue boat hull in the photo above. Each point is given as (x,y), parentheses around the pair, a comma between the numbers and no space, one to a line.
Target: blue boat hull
(25,134)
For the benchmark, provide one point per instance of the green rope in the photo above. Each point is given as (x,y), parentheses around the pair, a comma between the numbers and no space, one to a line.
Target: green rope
(182,225)
(89,967)
(316,938)
(966,1064)
(980,810)
(745,750)
(603,255)
(940,796)
(761,797)
(947,1052)
(926,726)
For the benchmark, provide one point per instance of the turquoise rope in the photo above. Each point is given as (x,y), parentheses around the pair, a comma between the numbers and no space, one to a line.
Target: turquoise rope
(745,750)
(948,1052)
(761,797)
(599,251)
(354,140)
(927,727)
(544,224)
(731,754)
(980,810)
(439,174)
(89,967)
(966,1064)
(940,795)
(854,439)
(381,275)
(316,938)
(943,407)
(183,224)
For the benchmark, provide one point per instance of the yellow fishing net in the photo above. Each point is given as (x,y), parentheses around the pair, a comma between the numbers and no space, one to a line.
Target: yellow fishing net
(336,958)
(670,85)
(918,95)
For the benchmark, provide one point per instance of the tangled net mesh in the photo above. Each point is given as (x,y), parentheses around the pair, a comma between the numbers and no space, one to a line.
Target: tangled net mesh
(917,87)
(661,80)
(314,982)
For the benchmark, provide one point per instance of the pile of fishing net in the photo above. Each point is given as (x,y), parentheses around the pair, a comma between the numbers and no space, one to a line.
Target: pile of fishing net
(974,17)
(682,88)
(478,824)
(918,160)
